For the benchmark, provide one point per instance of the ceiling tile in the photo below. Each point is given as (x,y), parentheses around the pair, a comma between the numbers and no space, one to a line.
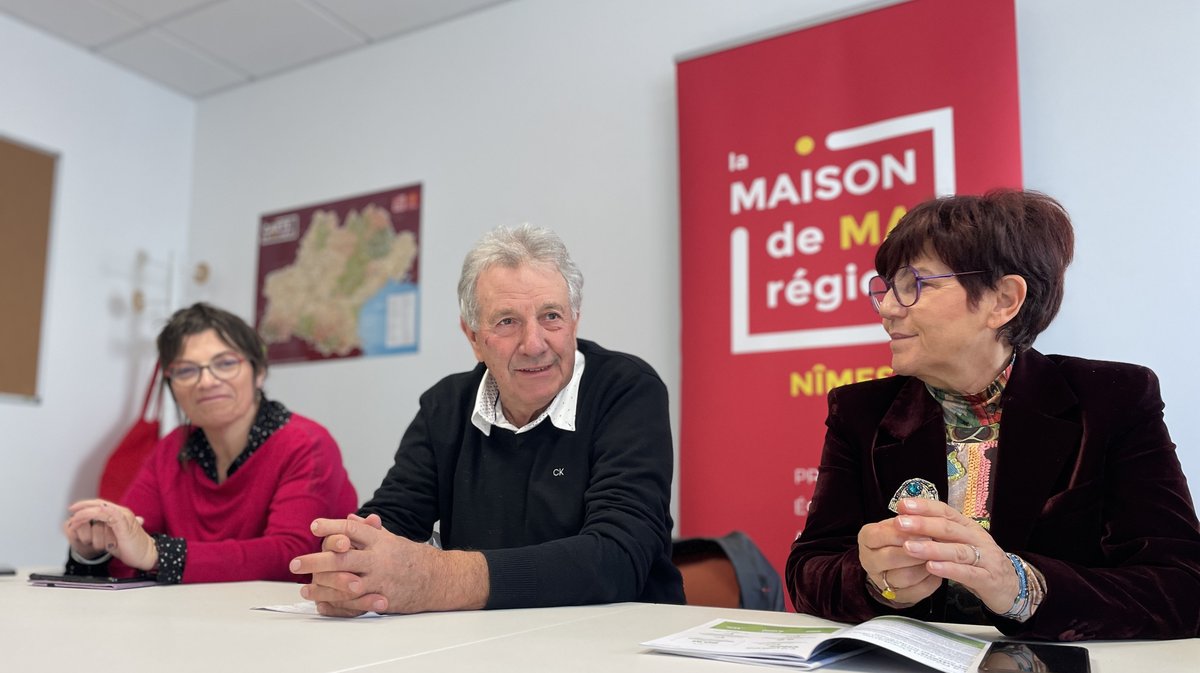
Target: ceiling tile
(153,11)
(263,36)
(82,22)
(385,19)
(203,46)
(168,61)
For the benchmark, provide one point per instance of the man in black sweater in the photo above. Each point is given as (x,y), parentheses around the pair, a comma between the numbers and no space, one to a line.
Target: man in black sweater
(548,464)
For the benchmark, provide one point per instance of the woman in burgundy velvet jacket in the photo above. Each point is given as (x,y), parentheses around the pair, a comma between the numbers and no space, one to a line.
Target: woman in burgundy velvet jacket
(986,482)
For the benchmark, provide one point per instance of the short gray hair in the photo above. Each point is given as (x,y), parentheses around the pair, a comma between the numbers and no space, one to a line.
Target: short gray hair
(511,247)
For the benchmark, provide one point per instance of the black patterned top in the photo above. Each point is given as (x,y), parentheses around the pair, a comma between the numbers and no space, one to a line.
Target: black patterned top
(271,416)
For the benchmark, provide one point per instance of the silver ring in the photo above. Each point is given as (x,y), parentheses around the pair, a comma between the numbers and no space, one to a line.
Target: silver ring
(977,554)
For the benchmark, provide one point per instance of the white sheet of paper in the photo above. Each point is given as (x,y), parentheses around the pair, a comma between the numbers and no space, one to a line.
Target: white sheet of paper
(306,608)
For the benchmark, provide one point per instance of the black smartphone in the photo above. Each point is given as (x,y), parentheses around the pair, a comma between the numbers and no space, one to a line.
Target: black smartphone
(84,582)
(1016,657)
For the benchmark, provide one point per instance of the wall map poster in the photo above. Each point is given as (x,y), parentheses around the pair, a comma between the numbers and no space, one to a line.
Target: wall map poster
(341,279)
(798,154)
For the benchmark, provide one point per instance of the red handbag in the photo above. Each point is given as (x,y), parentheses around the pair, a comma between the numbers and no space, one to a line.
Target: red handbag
(133,449)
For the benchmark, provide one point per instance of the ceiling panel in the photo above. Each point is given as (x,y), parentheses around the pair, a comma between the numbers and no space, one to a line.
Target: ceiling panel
(385,19)
(157,10)
(162,57)
(200,47)
(81,22)
(263,36)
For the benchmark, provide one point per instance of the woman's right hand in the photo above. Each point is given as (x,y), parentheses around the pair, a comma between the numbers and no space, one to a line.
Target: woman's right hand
(882,556)
(85,542)
(98,526)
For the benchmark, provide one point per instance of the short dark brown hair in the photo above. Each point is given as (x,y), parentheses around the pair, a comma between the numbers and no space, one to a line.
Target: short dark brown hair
(201,317)
(1002,232)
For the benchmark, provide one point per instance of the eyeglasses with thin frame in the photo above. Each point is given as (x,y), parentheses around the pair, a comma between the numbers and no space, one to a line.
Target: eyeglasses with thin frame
(223,367)
(905,286)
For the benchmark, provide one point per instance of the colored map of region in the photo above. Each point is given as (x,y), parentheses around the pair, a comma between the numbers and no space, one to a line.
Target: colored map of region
(339,268)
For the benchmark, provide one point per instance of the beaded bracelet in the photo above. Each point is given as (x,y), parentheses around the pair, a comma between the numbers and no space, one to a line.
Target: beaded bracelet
(1022,578)
(1022,607)
(1037,588)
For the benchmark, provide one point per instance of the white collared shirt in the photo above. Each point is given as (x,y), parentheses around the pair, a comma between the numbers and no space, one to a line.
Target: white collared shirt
(561,411)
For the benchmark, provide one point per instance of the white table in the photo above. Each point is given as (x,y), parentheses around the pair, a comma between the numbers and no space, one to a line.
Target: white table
(211,628)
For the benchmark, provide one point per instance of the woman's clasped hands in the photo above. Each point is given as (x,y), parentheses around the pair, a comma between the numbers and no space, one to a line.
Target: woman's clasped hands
(908,556)
(96,527)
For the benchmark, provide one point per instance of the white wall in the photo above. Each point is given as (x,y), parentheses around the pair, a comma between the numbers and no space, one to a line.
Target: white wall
(563,114)
(123,184)
(1110,124)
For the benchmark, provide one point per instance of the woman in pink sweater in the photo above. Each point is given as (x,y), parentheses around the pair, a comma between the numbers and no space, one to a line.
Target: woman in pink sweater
(230,494)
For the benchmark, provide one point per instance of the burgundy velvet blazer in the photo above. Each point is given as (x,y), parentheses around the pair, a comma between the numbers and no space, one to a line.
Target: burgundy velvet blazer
(1088,490)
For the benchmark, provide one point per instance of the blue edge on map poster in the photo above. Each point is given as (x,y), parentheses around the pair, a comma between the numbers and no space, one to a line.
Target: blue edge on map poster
(373,320)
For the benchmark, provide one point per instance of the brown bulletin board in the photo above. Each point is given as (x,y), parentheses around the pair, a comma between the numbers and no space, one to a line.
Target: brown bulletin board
(26,194)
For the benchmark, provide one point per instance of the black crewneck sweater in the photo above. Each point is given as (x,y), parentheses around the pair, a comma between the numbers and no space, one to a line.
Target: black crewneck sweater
(562,517)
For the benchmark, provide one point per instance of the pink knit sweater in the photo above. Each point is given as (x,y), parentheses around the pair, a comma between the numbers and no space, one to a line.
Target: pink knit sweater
(252,525)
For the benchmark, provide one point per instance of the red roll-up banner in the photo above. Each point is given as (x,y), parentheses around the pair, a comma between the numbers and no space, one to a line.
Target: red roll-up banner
(797,155)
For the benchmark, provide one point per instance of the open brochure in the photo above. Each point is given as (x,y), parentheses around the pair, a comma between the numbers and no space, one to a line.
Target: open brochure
(809,647)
